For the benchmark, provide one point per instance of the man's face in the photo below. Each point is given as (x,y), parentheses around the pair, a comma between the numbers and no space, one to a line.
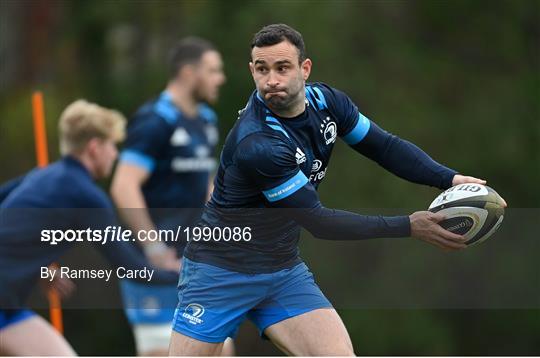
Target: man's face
(278,75)
(209,77)
(103,153)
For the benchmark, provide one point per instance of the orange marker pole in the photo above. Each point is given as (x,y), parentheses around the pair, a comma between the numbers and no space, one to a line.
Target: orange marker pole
(42,157)
(40,133)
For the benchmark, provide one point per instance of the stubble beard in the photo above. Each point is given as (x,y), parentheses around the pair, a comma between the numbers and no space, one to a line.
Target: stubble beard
(285,103)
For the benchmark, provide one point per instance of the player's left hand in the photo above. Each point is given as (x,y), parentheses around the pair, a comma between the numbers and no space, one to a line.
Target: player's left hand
(462,179)
(62,285)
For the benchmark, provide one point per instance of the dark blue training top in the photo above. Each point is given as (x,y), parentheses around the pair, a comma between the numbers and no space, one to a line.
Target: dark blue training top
(178,152)
(54,198)
(273,162)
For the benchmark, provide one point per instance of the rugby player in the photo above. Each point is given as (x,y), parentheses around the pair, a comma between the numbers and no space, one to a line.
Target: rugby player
(46,199)
(271,159)
(166,164)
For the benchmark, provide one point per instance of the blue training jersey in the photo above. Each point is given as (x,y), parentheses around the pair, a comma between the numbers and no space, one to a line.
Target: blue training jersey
(61,196)
(273,162)
(177,151)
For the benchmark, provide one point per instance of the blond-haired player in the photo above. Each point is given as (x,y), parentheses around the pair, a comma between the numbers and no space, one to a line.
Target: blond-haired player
(45,199)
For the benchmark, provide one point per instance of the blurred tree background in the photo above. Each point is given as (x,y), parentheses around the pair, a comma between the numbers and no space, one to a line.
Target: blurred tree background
(461,79)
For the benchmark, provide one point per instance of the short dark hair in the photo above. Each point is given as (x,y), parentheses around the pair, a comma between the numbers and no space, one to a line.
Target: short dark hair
(276,33)
(187,51)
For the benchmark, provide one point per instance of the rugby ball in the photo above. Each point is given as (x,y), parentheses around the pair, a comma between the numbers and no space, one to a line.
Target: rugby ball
(472,210)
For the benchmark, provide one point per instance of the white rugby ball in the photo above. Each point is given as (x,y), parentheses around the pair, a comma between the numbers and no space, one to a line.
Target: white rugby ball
(472,210)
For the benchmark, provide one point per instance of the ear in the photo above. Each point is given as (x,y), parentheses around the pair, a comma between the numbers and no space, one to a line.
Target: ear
(251,68)
(91,147)
(187,72)
(306,68)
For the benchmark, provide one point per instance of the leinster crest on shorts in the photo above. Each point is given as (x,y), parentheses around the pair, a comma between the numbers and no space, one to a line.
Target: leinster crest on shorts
(193,313)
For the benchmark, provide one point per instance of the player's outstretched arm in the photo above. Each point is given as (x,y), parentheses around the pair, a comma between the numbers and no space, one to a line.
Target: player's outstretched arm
(407,161)
(398,156)
(332,224)
(403,158)
(304,207)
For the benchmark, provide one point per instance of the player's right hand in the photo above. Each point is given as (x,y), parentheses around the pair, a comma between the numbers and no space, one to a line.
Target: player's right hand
(165,260)
(424,226)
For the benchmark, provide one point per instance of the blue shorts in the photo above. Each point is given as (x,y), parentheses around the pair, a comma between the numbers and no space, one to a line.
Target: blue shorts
(148,304)
(213,302)
(9,317)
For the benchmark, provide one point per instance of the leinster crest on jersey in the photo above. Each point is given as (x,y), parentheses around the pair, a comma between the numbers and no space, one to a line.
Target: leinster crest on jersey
(329,131)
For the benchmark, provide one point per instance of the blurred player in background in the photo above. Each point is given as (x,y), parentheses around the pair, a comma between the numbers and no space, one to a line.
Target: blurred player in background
(46,199)
(167,163)
(275,157)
